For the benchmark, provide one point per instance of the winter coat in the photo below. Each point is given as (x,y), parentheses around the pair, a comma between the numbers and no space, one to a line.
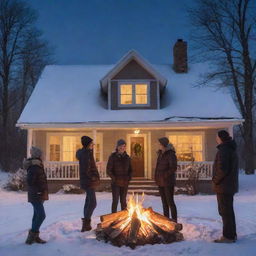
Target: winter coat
(36,180)
(89,175)
(166,166)
(119,169)
(225,169)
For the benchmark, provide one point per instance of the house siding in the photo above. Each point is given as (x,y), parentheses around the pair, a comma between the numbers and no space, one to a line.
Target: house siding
(133,71)
(39,140)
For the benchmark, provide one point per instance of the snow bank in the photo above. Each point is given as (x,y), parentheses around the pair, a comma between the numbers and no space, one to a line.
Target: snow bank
(62,226)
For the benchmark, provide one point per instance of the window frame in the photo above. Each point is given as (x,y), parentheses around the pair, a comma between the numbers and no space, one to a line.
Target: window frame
(133,83)
(202,133)
(77,134)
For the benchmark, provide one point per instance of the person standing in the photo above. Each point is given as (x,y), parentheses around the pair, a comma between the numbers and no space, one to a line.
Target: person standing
(37,193)
(225,184)
(89,179)
(120,171)
(165,176)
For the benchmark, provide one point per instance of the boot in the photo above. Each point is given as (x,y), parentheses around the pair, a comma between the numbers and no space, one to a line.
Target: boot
(31,237)
(224,240)
(86,225)
(38,240)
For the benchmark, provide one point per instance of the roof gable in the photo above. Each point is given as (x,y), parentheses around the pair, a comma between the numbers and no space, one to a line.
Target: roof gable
(141,65)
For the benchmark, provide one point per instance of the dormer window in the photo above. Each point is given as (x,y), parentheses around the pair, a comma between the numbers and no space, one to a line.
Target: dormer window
(134,94)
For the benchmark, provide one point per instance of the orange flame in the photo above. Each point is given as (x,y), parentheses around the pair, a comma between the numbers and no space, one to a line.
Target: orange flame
(136,205)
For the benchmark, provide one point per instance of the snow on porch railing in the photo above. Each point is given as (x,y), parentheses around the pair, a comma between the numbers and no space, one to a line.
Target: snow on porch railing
(204,168)
(68,170)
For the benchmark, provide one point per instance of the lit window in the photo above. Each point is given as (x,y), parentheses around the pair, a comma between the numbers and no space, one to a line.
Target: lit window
(64,147)
(70,145)
(188,147)
(141,94)
(126,94)
(134,94)
(54,148)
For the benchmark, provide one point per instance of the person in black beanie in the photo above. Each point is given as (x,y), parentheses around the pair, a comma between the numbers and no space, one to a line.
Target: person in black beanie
(225,184)
(120,171)
(89,179)
(165,176)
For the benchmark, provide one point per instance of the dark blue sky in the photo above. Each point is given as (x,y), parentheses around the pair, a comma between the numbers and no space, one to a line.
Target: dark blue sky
(101,31)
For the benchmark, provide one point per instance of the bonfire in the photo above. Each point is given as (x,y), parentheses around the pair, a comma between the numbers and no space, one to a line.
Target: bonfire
(137,226)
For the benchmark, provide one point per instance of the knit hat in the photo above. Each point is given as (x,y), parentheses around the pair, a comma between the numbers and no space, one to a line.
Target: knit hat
(85,140)
(224,136)
(164,141)
(35,152)
(120,143)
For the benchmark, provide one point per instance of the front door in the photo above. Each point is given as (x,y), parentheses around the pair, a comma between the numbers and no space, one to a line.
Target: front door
(137,152)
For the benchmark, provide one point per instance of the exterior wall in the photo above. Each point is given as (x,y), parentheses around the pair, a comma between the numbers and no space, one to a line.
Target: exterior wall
(110,138)
(210,144)
(133,71)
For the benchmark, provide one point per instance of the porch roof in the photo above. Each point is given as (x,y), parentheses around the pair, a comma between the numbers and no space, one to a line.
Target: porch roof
(72,95)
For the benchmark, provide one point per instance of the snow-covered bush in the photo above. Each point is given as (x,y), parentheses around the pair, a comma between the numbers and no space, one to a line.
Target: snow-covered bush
(71,189)
(17,180)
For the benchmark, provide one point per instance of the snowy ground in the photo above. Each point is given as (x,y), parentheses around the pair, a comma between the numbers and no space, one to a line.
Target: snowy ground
(62,226)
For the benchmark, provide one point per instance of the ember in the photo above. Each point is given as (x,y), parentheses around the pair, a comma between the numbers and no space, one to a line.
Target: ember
(137,226)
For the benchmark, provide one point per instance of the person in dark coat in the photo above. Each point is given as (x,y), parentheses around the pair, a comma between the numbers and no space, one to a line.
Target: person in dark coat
(89,179)
(120,171)
(165,176)
(225,184)
(37,193)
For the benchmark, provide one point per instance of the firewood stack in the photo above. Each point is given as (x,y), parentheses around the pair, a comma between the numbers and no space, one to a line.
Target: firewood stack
(137,226)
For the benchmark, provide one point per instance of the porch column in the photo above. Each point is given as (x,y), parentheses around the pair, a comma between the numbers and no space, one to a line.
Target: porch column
(230,130)
(29,141)
(94,134)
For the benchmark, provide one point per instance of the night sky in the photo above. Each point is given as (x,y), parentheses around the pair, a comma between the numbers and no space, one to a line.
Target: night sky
(102,31)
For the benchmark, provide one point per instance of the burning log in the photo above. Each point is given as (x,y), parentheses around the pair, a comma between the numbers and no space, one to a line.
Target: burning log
(134,230)
(137,226)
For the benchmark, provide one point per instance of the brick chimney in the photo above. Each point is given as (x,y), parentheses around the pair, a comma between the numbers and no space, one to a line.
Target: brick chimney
(180,58)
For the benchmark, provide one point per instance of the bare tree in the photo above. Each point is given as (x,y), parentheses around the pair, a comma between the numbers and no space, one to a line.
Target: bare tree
(23,55)
(222,35)
(35,55)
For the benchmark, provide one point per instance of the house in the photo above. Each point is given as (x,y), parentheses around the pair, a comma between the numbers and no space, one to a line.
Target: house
(134,100)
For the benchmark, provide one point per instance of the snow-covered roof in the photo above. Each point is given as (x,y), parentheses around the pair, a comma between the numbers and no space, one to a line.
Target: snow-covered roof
(72,94)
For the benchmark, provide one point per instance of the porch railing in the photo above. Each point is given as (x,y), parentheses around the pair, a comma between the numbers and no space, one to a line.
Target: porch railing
(70,170)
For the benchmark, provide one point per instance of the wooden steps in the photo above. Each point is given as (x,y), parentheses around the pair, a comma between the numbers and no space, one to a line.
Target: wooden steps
(140,185)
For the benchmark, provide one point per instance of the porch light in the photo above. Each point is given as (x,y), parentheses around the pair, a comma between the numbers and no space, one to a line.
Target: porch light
(137,131)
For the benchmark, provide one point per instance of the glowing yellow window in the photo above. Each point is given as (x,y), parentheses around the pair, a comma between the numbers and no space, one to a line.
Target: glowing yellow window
(141,91)
(126,94)
(70,145)
(54,142)
(188,147)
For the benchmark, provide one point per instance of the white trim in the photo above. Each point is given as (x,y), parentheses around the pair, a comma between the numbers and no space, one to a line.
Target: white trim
(150,173)
(231,130)
(133,83)
(29,141)
(147,125)
(202,133)
(146,159)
